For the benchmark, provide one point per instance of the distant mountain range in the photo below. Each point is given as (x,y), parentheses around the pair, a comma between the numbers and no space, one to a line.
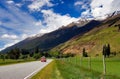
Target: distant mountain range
(48,41)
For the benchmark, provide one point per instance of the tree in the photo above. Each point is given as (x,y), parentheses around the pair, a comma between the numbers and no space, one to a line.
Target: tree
(104,50)
(3,57)
(24,51)
(31,54)
(37,49)
(37,56)
(14,53)
(108,50)
(17,53)
(84,53)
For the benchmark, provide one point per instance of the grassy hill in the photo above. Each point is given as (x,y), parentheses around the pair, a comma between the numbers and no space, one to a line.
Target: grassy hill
(94,40)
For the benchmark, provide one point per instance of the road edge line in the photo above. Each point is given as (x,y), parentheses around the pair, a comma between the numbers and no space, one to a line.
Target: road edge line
(36,70)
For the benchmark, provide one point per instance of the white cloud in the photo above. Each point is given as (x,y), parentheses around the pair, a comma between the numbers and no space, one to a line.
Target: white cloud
(38,23)
(24,22)
(100,8)
(38,4)
(15,24)
(82,5)
(10,2)
(77,3)
(53,20)
(7,36)
(86,14)
(115,5)
(18,4)
(23,36)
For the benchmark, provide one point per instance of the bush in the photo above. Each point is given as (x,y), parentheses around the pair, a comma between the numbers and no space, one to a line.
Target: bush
(37,56)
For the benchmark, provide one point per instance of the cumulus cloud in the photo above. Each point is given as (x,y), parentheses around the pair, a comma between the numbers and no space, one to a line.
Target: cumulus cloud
(10,2)
(115,5)
(38,4)
(16,24)
(7,36)
(23,36)
(53,20)
(100,8)
(77,3)
(18,4)
(38,23)
(82,5)
(17,20)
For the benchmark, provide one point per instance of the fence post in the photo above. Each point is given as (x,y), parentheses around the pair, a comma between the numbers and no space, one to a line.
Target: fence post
(104,65)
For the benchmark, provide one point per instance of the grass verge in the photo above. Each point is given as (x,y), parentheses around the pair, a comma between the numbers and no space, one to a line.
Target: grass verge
(11,61)
(73,68)
(49,72)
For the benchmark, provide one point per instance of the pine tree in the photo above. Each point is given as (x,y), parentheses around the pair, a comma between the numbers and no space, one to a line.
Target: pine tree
(108,50)
(84,53)
(104,50)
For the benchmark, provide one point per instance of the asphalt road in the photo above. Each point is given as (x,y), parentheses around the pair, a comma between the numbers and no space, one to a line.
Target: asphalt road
(22,71)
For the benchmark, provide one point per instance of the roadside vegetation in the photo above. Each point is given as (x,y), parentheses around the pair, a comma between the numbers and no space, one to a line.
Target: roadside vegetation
(17,55)
(83,67)
(49,72)
(11,61)
(80,68)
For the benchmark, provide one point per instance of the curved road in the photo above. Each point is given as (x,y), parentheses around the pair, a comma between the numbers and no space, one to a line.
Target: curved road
(22,71)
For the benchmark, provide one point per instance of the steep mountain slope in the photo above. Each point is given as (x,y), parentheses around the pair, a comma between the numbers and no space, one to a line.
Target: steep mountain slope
(93,41)
(52,39)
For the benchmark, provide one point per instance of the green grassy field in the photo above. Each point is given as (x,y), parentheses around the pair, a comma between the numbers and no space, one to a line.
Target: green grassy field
(11,61)
(73,68)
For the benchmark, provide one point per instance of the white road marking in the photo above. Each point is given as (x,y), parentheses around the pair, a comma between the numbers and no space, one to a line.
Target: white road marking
(36,71)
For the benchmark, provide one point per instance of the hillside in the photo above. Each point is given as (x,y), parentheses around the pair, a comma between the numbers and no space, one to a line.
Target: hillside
(93,41)
(53,39)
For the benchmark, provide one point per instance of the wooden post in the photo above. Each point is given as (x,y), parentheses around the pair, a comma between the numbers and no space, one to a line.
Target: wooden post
(104,65)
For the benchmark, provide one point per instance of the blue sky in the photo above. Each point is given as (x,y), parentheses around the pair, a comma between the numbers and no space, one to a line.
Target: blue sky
(20,19)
